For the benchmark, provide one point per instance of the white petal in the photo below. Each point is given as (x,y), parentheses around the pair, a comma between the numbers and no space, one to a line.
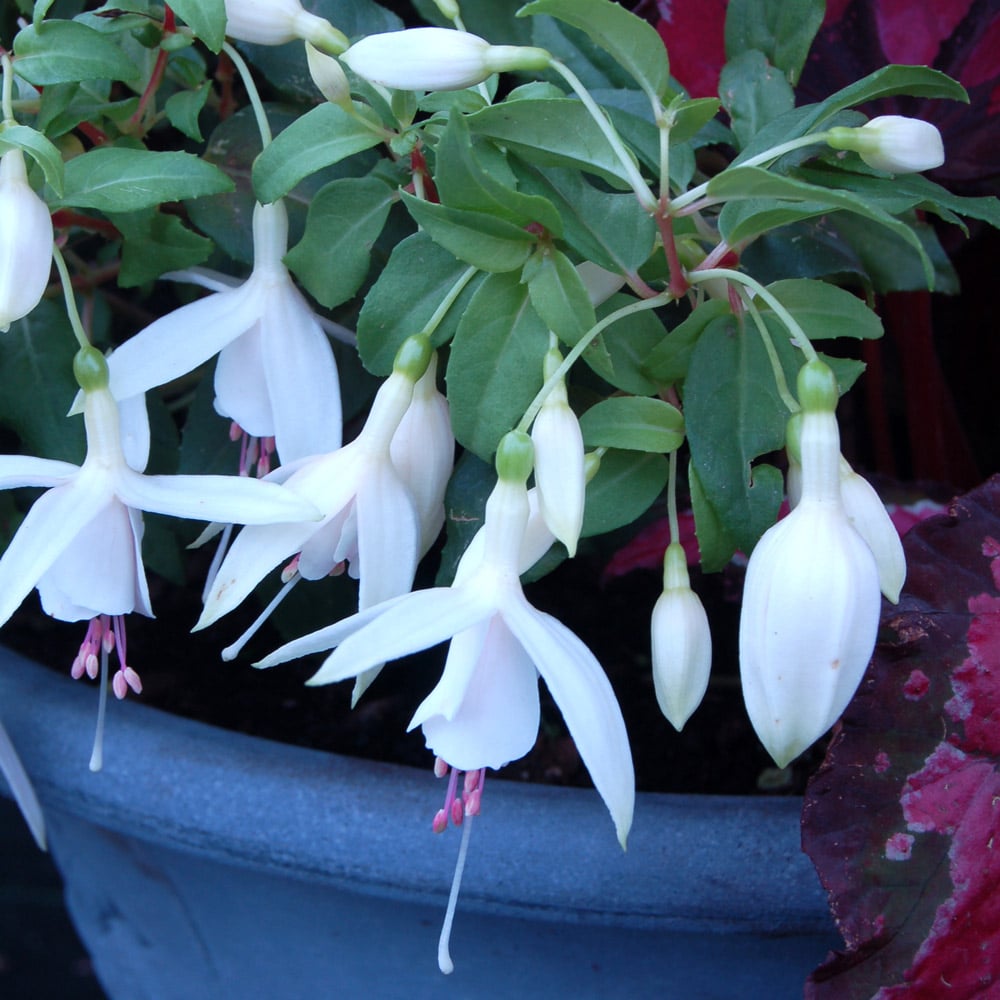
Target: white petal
(497,721)
(464,651)
(388,536)
(418,621)
(231,499)
(26,470)
(327,637)
(241,392)
(257,550)
(49,527)
(142,602)
(182,340)
(302,379)
(96,573)
(134,421)
(588,704)
(559,470)
(320,552)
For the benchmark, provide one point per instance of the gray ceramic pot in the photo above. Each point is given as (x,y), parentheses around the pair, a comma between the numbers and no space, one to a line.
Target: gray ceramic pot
(206,864)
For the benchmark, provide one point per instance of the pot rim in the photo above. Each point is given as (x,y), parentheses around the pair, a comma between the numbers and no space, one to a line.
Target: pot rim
(719,863)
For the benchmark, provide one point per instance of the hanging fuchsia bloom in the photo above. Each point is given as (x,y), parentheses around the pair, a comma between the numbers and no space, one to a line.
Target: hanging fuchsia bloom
(275,22)
(811,598)
(893,143)
(81,542)
(25,241)
(276,376)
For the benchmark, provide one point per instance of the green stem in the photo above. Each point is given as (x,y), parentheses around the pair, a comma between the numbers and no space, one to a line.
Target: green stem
(448,301)
(263,126)
(768,157)
(647,199)
(780,382)
(675,531)
(71,311)
(6,100)
(580,346)
(798,334)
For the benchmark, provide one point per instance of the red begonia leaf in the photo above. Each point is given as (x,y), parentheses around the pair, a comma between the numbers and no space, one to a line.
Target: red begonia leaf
(902,817)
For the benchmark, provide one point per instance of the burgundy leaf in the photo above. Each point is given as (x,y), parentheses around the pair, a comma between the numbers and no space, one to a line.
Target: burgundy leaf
(900,820)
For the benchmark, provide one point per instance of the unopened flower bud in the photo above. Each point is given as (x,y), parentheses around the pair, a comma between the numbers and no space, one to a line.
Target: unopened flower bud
(682,642)
(329,77)
(871,521)
(25,241)
(893,143)
(437,59)
(275,22)
(811,598)
(559,472)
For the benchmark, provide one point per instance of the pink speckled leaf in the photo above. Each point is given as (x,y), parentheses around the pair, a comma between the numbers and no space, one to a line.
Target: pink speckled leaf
(902,818)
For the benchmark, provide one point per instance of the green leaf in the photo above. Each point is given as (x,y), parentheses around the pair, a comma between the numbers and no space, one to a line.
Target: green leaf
(668,362)
(495,368)
(321,137)
(754,93)
(345,218)
(634,423)
(206,18)
(623,347)
(462,182)
(183,109)
(551,133)
(155,243)
(484,241)
(755,182)
(783,30)
(67,51)
(632,42)
(625,487)
(113,179)
(609,229)
(36,366)
(559,295)
(733,415)
(824,310)
(417,278)
(40,149)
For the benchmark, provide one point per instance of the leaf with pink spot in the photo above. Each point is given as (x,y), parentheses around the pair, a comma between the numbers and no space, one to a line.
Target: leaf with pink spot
(901,819)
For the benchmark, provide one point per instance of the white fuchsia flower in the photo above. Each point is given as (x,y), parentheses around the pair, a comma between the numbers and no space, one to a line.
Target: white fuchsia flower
(681,642)
(81,542)
(893,143)
(275,22)
(370,519)
(559,460)
(423,452)
(437,59)
(25,241)
(276,375)
(811,597)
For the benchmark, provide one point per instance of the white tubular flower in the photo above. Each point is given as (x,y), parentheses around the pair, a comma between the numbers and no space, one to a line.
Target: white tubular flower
(369,520)
(871,521)
(682,642)
(437,59)
(80,542)
(25,241)
(559,461)
(423,452)
(275,22)
(893,143)
(811,598)
(484,711)
(276,375)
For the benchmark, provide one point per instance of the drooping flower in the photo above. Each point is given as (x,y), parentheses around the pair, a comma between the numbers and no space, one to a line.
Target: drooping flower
(681,642)
(370,519)
(25,241)
(437,59)
(275,22)
(559,460)
(484,710)
(811,597)
(893,143)
(276,375)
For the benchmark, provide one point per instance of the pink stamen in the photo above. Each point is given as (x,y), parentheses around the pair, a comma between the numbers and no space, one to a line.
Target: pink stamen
(291,569)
